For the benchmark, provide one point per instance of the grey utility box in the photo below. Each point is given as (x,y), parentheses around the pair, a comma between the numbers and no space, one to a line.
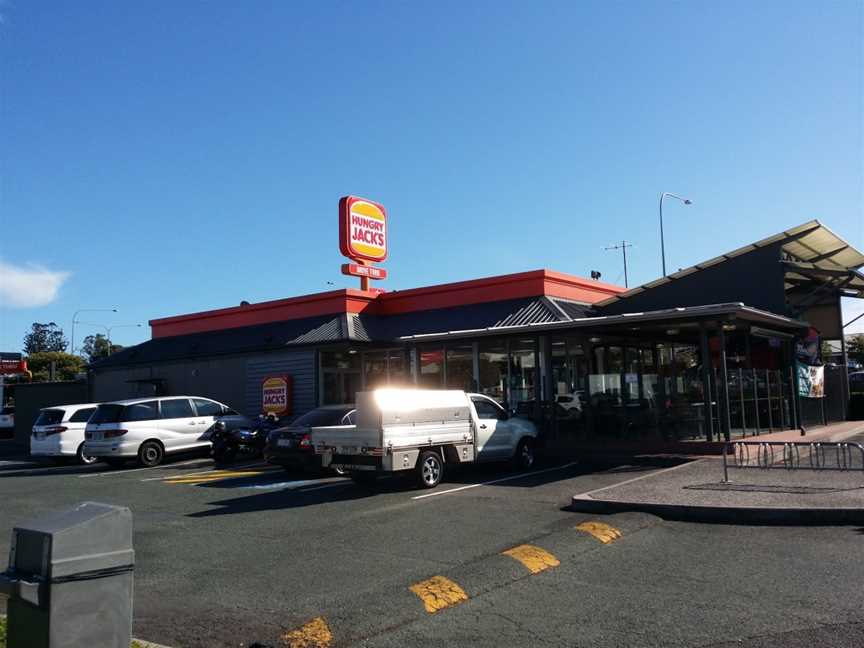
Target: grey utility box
(69,581)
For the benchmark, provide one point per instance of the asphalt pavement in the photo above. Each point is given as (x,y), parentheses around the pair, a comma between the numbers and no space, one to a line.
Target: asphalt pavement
(490,557)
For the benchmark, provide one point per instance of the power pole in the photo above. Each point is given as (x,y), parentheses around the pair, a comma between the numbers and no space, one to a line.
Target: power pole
(623,247)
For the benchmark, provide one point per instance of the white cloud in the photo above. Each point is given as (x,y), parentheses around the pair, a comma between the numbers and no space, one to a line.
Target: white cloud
(28,286)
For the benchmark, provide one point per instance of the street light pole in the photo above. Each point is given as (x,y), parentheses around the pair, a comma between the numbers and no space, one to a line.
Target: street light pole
(108,330)
(86,310)
(686,201)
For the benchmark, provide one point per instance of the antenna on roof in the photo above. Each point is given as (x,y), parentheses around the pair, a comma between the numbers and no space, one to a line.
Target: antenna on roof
(623,247)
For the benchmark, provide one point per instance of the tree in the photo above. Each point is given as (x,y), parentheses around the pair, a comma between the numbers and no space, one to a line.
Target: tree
(66,365)
(96,347)
(45,337)
(855,347)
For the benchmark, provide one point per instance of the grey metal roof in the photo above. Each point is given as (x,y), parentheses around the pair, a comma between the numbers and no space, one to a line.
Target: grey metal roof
(736,309)
(810,243)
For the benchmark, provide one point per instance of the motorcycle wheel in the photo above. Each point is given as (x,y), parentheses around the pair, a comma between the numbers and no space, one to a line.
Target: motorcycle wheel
(225,454)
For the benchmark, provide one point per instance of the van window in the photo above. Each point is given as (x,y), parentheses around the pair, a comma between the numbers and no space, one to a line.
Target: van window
(49,417)
(207,408)
(108,413)
(176,408)
(82,415)
(140,412)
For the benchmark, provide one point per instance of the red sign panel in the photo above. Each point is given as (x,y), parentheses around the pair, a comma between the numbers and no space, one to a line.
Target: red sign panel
(276,395)
(362,229)
(356,270)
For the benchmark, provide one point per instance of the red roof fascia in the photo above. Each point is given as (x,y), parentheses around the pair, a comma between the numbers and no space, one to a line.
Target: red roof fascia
(476,291)
(279,310)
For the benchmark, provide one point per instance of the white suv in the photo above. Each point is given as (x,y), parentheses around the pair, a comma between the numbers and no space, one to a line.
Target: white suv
(59,432)
(150,428)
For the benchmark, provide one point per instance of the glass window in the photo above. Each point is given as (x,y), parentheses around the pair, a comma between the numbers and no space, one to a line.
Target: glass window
(493,369)
(431,368)
(375,369)
(522,376)
(141,412)
(321,416)
(631,373)
(569,368)
(108,413)
(49,417)
(460,367)
(487,409)
(397,368)
(177,408)
(340,360)
(207,407)
(82,415)
(350,418)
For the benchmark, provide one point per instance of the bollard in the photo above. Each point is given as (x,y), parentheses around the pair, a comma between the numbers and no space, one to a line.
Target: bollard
(69,580)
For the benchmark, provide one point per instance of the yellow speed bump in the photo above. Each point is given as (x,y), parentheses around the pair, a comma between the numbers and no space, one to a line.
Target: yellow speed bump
(600,530)
(534,558)
(315,634)
(438,593)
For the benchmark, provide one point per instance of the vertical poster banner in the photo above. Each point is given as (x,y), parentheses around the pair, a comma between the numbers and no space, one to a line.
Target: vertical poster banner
(811,381)
(276,393)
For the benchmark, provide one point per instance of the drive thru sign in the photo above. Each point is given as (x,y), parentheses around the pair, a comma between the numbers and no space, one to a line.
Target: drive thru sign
(276,395)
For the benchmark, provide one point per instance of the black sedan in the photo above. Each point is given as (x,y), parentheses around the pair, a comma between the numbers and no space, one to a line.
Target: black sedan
(291,446)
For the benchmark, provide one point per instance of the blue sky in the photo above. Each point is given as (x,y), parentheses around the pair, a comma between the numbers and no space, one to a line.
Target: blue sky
(166,157)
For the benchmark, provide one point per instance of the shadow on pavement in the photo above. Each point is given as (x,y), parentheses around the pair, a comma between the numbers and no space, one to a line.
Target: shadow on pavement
(44,467)
(277,493)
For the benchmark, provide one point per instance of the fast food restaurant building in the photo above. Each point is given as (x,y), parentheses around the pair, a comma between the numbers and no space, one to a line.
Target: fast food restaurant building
(711,352)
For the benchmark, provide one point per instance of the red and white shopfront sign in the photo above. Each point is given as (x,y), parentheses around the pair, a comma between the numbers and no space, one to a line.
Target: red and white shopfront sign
(276,395)
(362,229)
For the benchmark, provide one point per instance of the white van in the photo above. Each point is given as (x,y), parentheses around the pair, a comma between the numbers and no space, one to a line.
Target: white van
(59,432)
(147,429)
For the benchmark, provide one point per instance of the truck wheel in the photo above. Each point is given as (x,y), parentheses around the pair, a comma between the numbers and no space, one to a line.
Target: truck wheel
(430,469)
(525,454)
(150,454)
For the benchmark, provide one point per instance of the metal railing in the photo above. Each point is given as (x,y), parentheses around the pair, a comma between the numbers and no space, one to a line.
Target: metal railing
(789,455)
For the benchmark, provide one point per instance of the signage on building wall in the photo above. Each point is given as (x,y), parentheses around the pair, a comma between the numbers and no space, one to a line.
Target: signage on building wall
(363,238)
(276,392)
(811,381)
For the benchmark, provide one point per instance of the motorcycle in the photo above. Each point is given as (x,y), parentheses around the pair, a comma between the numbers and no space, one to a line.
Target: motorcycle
(247,442)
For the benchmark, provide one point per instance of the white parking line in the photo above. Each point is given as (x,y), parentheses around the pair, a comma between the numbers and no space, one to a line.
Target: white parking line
(124,471)
(494,481)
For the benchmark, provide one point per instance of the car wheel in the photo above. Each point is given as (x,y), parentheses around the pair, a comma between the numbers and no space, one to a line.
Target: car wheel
(150,454)
(429,470)
(339,470)
(83,459)
(525,457)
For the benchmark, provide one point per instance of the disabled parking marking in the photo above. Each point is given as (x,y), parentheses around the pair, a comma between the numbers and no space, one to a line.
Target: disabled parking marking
(315,634)
(534,558)
(438,593)
(605,533)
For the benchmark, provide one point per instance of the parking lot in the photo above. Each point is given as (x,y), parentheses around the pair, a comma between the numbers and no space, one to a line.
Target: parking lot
(491,557)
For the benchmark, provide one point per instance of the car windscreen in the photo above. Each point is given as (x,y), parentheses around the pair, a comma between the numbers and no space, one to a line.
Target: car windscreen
(318,417)
(49,417)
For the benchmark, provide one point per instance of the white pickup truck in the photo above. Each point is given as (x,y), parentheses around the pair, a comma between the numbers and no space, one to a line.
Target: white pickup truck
(422,430)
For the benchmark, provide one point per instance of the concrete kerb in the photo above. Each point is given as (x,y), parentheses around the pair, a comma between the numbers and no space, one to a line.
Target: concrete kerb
(594,502)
